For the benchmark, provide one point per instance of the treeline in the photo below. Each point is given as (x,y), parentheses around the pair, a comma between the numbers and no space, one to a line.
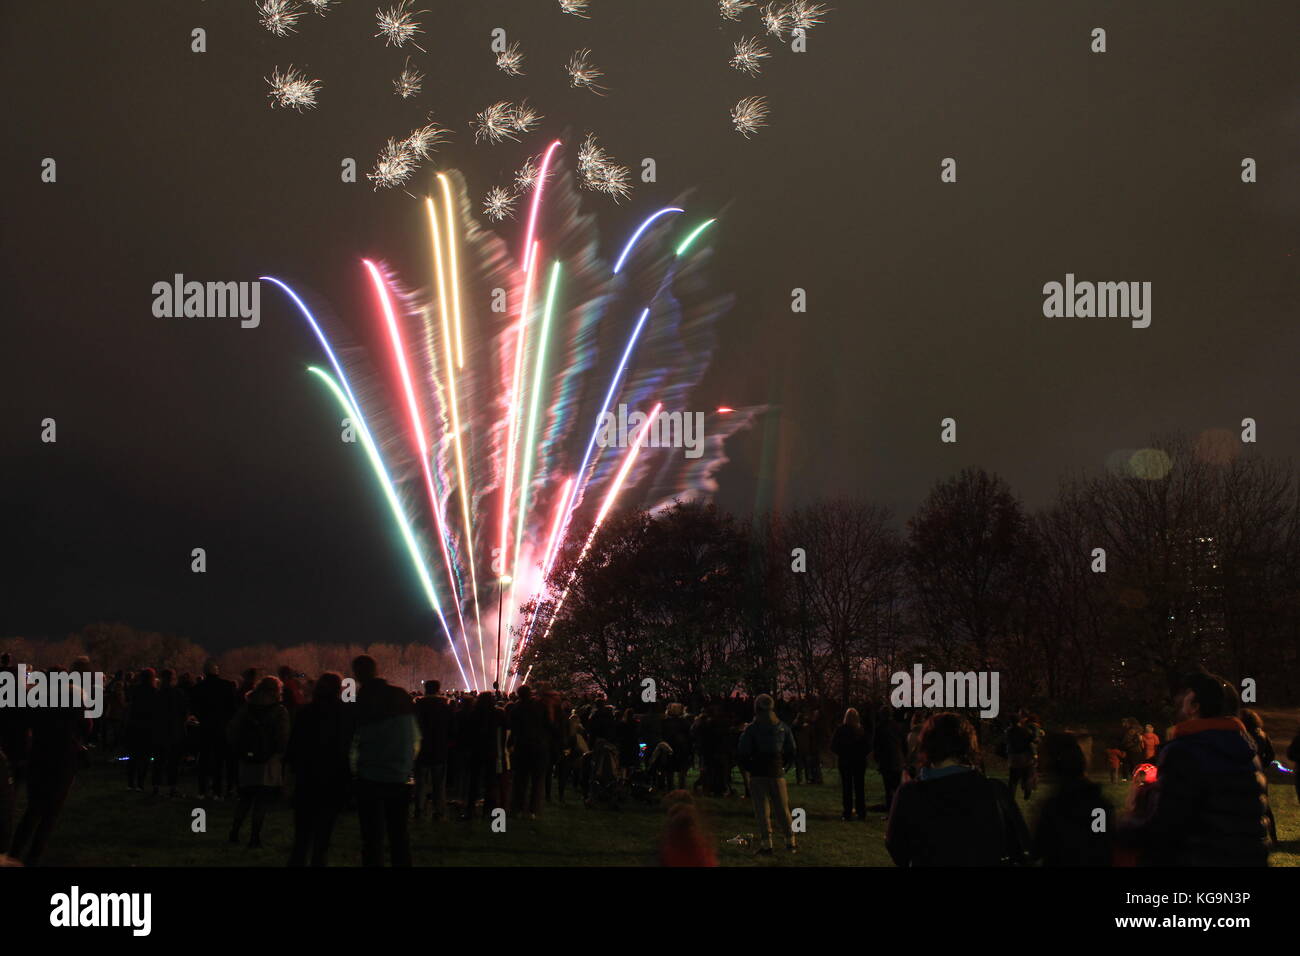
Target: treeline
(1186,553)
(119,647)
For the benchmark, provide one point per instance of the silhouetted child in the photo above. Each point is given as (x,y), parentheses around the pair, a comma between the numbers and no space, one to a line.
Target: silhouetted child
(1114,757)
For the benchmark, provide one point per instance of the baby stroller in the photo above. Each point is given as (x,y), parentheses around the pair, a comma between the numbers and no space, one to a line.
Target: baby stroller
(600,782)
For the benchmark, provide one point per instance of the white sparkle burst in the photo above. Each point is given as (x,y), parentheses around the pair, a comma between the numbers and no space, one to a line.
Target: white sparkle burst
(582,74)
(278,16)
(498,204)
(510,61)
(576,7)
(292,90)
(398,25)
(749,114)
(749,51)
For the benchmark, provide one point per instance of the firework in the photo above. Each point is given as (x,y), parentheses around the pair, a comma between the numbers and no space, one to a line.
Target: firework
(421,140)
(278,16)
(499,204)
(749,50)
(321,6)
(510,61)
(576,7)
(409,82)
(478,419)
(394,166)
(776,20)
(496,123)
(582,74)
(804,14)
(527,176)
(611,179)
(398,25)
(732,9)
(590,155)
(292,90)
(523,118)
(749,114)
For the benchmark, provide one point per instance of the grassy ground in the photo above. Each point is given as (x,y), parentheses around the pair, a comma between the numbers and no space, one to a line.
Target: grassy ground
(105,825)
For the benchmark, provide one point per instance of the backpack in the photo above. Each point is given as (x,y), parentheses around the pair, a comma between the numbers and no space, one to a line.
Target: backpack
(256,740)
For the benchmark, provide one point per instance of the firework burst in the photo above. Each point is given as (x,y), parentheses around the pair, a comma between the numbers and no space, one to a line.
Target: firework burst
(394,166)
(527,176)
(321,6)
(496,123)
(421,140)
(498,204)
(804,14)
(524,118)
(748,115)
(292,90)
(278,16)
(582,74)
(776,20)
(748,52)
(576,7)
(409,82)
(732,9)
(398,25)
(598,172)
(510,61)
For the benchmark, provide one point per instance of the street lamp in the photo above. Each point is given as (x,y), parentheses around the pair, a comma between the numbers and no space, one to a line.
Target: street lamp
(501,589)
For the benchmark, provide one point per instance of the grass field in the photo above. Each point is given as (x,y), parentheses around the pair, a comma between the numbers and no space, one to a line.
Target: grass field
(103,824)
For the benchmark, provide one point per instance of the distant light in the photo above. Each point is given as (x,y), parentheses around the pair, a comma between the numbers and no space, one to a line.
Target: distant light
(725,410)
(506,579)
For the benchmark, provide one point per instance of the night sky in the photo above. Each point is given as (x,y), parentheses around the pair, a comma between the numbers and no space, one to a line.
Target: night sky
(925,298)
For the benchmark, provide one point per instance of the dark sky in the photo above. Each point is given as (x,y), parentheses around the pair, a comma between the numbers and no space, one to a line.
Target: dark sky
(924,299)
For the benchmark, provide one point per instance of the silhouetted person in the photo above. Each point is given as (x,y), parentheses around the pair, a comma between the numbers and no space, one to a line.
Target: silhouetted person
(317,756)
(142,703)
(889,747)
(8,803)
(677,732)
(1208,805)
(434,716)
(171,710)
(386,741)
(851,745)
(953,815)
(766,748)
(1075,821)
(530,735)
(259,734)
(58,739)
(214,700)
(486,762)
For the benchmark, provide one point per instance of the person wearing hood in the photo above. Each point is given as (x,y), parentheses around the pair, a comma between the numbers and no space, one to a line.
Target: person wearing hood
(765,749)
(952,815)
(1208,805)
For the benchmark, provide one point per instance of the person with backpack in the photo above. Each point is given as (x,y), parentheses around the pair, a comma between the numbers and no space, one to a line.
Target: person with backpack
(951,814)
(259,733)
(765,749)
